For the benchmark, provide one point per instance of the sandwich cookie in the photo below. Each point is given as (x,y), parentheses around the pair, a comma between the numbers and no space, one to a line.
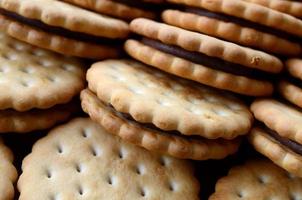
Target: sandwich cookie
(258,179)
(290,87)
(202,58)
(123,9)
(240,22)
(8,173)
(278,134)
(63,28)
(291,7)
(162,113)
(33,82)
(80,160)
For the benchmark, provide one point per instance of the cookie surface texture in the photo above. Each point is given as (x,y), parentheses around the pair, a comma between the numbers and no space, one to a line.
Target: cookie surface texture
(291,88)
(155,140)
(35,78)
(8,173)
(84,161)
(258,179)
(233,32)
(170,103)
(212,70)
(63,28)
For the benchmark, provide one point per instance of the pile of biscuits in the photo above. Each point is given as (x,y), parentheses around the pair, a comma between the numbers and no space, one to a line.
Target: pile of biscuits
(130,97)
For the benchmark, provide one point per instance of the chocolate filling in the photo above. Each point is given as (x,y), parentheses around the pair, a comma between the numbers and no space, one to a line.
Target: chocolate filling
(292,145)
(245,23)
(208,61)
(60,31)
(150,126)
(294,81)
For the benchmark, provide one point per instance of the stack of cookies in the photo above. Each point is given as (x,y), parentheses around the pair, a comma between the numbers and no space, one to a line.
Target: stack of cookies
(164,86)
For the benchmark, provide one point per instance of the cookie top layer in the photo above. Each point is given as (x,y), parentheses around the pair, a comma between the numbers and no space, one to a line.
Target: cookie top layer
(207,45)
(114,8)
(81,160)
(173,144)
(34,78)
(8,173)
(282,118)
(251,12)
(258,179)
(170,103)
(60,14)
(294,67)
(290,7)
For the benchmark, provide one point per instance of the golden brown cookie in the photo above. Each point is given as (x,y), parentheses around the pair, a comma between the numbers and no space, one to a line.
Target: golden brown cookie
(123,9)
(258,179)
(12,121)
(80,160)
(240,22)
(31,77)
(63,28)
(278,134)
(290,87)
(167,102)
(8,173)
(202,58)
(290,7)
(155,140)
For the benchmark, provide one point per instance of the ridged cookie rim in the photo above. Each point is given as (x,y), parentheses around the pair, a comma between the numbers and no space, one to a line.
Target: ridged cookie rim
(249,11)
(171,145)
(277,153)
(293,8)
(79,22)
(266,111)
(211,46)
(231,32)
(177,66)
(127,100)
(54,42)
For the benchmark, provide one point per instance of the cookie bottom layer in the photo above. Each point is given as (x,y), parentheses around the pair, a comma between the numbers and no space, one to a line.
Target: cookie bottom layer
(158,141)
(278,153)
(36,119)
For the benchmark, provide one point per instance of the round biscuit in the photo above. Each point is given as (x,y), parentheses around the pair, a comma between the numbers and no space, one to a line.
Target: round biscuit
(59,14)
(279,154)
(284,119)
(192,71)
(170,103)
(31,77)
(232,32)
(56,43)
(210,46)
(160,142)
(80,160)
